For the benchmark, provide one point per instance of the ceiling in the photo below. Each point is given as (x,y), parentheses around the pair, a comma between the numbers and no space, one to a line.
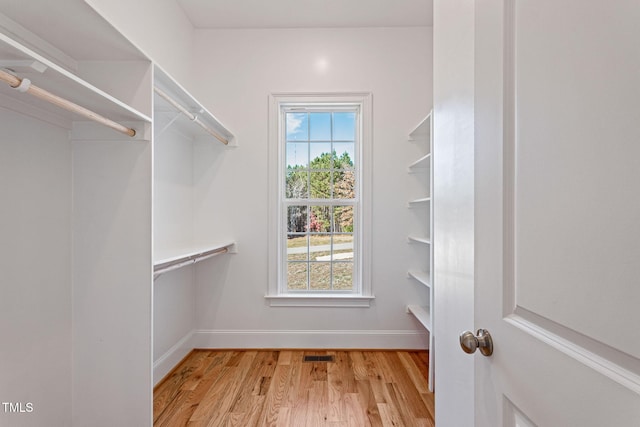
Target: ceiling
(308,13)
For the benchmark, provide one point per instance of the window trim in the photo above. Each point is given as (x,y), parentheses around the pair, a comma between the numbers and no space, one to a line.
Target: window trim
(277,296)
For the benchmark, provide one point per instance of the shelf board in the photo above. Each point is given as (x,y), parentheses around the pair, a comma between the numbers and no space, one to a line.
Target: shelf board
(422,313)
(420,201)
(422,163)
(418,239)
(63,83)
(420,276)
(186,255)
(166,115)
(422,131)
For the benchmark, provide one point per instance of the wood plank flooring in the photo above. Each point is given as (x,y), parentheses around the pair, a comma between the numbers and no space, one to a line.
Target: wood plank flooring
(277,388)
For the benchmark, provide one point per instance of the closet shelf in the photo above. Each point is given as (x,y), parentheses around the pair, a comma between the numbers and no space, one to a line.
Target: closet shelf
(420,276)
(418,239)
(422,131)
(422,163)
(53,78)
(418,202)
(184,112)
(422,313)
(423,168)
(182,257)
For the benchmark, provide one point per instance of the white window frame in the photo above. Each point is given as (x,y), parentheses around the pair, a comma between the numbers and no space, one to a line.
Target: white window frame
(277,294)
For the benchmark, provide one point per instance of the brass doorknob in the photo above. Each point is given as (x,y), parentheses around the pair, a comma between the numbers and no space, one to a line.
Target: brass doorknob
(482,340)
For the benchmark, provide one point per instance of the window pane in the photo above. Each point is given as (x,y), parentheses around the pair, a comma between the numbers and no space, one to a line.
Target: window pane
(320,126)
(297,126)
(344,185)
(297,219)
(320,219)
(320,185)
(296,184)
(320,275)
(297,275)
(320,247)
(297,247)
(297,155)
(345,155)
(320,155)
(344,126)
(342,219)
(343,276)
(342,246)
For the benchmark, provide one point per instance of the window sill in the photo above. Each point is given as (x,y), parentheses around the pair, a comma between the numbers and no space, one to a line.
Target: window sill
(351,301)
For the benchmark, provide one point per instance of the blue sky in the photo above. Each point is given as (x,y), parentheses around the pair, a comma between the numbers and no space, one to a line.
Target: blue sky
(311,134)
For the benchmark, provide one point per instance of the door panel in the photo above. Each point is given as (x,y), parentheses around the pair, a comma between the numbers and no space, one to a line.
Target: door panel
(577,166)
(557,217)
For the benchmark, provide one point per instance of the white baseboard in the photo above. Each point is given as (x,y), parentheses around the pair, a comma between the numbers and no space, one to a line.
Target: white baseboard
(172,357)
(256,339)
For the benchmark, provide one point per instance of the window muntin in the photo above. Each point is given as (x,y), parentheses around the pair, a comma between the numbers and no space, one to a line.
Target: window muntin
(320,199)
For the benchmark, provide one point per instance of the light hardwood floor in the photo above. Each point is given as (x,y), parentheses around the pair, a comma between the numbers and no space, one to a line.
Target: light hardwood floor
(277,388)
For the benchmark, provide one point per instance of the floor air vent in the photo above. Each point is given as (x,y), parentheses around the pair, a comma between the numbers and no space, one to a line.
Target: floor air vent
(318,359)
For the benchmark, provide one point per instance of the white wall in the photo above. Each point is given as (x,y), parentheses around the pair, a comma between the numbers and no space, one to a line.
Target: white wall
(236,70)
(112,276)
(159,28)
(173,319)
(173,292)
(35,266)
(173,190)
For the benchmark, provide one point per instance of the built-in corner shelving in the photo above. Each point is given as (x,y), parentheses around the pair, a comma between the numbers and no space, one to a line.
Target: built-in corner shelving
(422,274)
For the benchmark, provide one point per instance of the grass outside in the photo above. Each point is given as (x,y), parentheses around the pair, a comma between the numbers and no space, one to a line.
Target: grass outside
(318,240)
(319,273)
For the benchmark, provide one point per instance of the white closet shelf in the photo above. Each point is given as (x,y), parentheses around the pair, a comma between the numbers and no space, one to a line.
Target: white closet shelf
(181,257)
(420,239)
(422,131)
(53,78)
(422,313)
(420,276)
(422,163)
(417,202)
(423,168)
(166,115)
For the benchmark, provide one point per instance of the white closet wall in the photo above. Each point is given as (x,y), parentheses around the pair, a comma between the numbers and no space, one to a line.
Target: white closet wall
(112,277)
(35,261)
(174,297)
(159,28)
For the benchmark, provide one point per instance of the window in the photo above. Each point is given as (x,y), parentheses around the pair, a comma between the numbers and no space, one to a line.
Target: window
(319,193)
(320,197)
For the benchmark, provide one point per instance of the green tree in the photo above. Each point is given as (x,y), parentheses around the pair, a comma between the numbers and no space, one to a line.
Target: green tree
(316,182)
(345,189)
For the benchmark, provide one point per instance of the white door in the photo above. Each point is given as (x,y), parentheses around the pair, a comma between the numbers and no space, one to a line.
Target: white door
(556,92)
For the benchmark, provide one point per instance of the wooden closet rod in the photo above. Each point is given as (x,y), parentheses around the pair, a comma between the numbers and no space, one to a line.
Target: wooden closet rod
(190,115)
(24,85)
